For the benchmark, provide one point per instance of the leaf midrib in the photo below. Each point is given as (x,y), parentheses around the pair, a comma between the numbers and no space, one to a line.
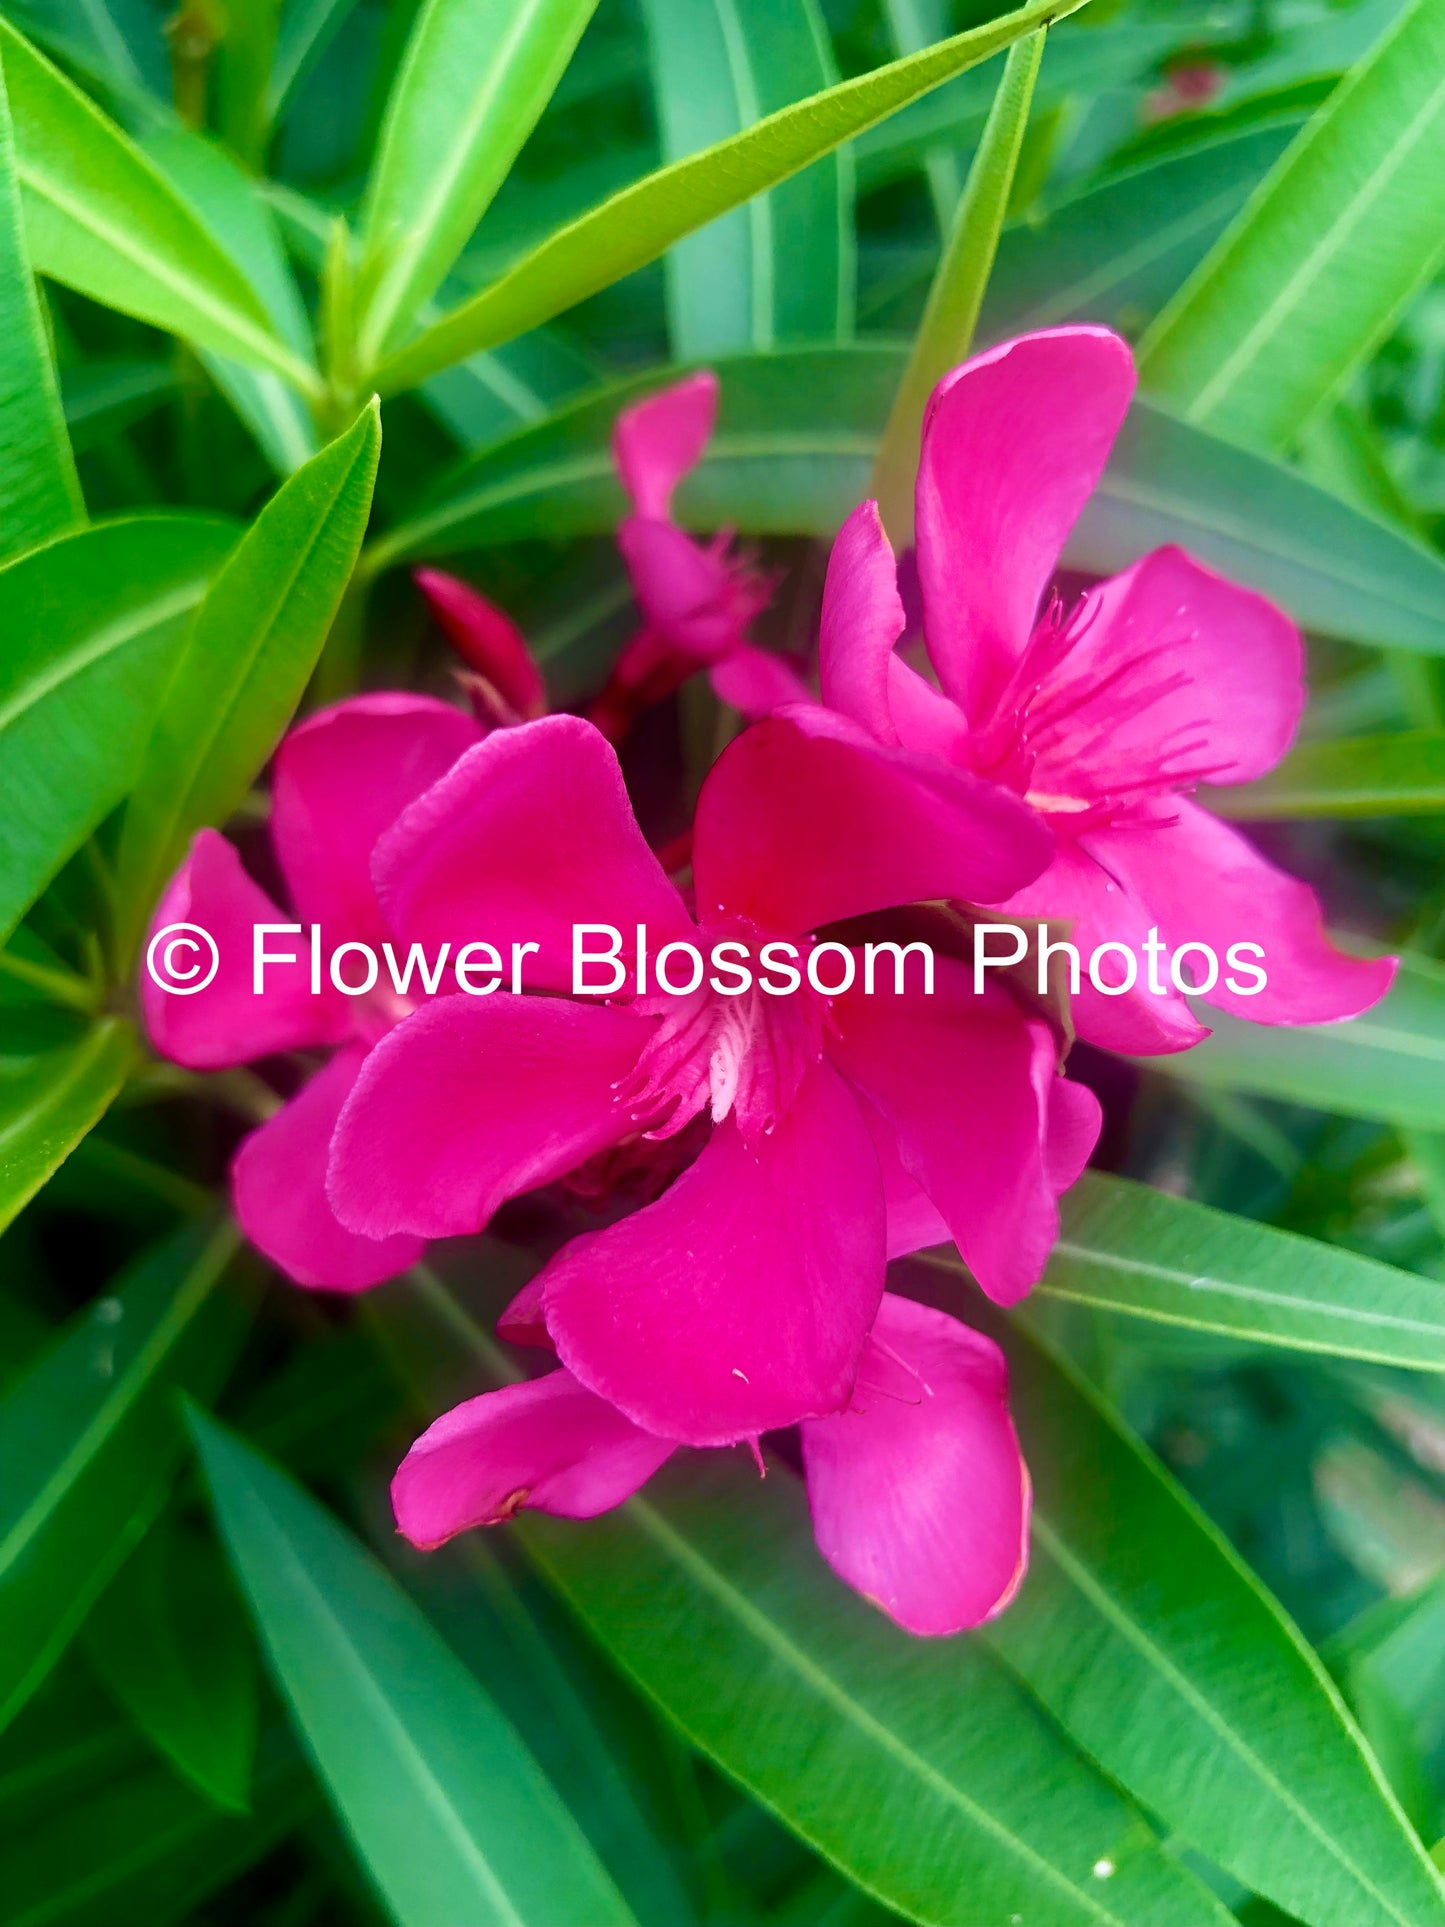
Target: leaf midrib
(130,628)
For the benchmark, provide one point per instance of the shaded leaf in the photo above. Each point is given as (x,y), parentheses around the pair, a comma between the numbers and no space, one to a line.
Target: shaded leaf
(1401,775)
(50,1100)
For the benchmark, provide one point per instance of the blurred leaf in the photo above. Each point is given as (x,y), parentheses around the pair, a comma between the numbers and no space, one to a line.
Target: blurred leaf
(90,1443)
(39,489)
(447,1808)
(1134,1600)
(1426,1150)
(92,624)
(246,661)
(305,31)
(103,396)
(471,87)
(1400,775)
(912,25)
(1126,1247)
(642,221)
(1387,1064)
(168,1638)
(116,43)
(243,76)
(1308,279)
(99,218)
(49,1101)
(782,266)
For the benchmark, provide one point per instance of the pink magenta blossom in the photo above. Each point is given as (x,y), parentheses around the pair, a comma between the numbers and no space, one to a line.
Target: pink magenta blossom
(340,779)
(502,677)
(919,1495)
(1102,715)
(697,599)
(841,1123)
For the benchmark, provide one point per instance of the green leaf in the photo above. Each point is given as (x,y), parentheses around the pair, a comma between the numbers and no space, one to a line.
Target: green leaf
(90,1443)
(100,218)
(782,266)
(50,1100)
(243,76)
(471,87)
(306,30)
(39,489)
(1127,1248)
(641,222)
(945,333)
(169,1640)
(92,624)
(448,1810)
(1308,279)
(1148,1638)
(1388,1064)
(251,649)
(1401,775)
(103,396)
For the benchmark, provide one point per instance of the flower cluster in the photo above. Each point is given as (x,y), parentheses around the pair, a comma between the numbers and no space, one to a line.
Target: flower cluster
(1031,759)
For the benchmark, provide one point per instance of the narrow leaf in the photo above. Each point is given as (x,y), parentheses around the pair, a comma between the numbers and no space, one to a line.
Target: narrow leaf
(1400,775)
(246,661)
(642,221)
(449,1812)
(471,87)
(306,30)
(50,1100)
(1309,277)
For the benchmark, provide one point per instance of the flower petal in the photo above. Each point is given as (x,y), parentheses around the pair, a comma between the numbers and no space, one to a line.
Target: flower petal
(278,1187)
(805,820)
(964,1082)
(861,621)
(1013,444)
(756,682)
(545,1443)
(530,832)
(682,590)
(487,640)
(341,778)
(656,442)
(226,1023)
(1206,883)
(922,1504)
(738,1301)
(467,1103)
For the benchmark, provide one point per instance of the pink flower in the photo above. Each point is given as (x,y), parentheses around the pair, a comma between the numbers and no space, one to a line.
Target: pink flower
(739,1300)
(1102,715)
(920,1498)
(340,779)
(697,600)
(504,683)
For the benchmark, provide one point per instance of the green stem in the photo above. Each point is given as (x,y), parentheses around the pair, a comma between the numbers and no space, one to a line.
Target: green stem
(60,986)
(946,331)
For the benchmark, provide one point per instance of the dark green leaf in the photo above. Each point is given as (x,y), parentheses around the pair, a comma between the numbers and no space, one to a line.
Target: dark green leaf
(49,1101)
(305,32)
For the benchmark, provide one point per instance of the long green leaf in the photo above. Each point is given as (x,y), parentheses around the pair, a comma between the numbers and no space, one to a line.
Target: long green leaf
(1308,279)
(782,266)
(945,333)
(39,489)
(100,218)
(251,649)
(89,1443)
(449,1812)
(92,624)
(1388,1064)
(640,223)
(1400,775)
(306,30)
(49,1101)
(1149,1639)
(473,83)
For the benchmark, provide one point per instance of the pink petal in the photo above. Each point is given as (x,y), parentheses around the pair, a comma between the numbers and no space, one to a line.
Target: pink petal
(488,641)
(965,1082)
(738,1301)
(524,1321)
(226,1023)
(528,834)
(341,778)
(1013,444)
(278,1188)
(682,590)
(805,820)
(1071,1131)
(862,619)
(756,682)
(657,441)
(1205,883)
(922,1504)
(471,1101)
(545,1443)
(914,1220)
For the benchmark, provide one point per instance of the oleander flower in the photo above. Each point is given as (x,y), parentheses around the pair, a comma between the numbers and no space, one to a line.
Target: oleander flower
(919,1495)
(340,779)
(1103,715)
(697,599)
(739,1300)
(501,678)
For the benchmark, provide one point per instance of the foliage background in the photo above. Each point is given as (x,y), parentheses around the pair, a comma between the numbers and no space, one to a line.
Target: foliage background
(217,1704)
